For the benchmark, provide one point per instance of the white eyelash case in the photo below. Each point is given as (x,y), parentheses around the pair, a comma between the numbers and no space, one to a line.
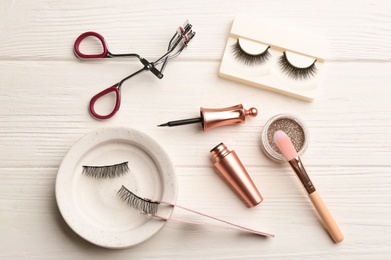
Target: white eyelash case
(274,59)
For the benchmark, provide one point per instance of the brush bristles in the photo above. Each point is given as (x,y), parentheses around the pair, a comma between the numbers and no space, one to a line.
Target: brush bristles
(284,143)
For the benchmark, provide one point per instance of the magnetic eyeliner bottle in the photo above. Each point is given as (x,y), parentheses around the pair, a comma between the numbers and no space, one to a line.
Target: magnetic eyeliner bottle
(215,117)
(235,175)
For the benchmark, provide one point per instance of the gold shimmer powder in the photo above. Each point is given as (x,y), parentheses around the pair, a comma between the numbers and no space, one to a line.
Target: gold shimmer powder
(292,126)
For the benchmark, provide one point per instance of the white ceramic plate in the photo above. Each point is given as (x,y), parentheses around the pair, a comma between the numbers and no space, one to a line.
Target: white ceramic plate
(91,206)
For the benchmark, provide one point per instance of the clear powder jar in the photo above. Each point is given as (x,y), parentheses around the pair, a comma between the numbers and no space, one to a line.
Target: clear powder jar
(293,126)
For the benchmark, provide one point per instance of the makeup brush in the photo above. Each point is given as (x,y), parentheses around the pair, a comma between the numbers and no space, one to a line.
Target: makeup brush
(216,117)
(287,149)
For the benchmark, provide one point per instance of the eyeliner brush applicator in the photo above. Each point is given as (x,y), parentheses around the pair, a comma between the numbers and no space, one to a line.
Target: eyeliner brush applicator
(287,149)
(183,122)
(216,117)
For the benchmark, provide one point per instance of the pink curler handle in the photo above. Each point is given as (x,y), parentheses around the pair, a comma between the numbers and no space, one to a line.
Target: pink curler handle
(79,39)
(101,94)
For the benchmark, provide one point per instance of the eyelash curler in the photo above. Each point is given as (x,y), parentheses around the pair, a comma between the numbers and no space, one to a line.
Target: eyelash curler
(178,42)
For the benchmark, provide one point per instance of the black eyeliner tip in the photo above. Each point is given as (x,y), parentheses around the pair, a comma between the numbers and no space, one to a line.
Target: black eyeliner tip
(165,124)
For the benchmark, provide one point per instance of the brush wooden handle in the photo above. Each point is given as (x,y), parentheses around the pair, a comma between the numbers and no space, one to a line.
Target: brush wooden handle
(326,217)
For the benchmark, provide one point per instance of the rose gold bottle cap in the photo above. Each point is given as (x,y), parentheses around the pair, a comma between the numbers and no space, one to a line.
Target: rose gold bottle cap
(233,172)
(215,117)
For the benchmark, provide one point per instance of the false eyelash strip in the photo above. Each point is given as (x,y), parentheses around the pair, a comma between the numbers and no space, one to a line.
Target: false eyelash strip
(107,171)
(149,208)
(249,59)
(144,205)
(296,72)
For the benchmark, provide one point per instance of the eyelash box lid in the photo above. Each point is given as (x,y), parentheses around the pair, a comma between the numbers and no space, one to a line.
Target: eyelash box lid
(294,63)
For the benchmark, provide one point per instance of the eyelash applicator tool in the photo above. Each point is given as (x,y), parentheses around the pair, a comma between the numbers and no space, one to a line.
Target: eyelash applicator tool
(216,117)
(150,208)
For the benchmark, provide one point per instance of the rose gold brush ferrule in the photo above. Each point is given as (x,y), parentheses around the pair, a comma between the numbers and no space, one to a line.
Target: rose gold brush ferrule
(233,172)
(328,220)
(301,173)
(215,117)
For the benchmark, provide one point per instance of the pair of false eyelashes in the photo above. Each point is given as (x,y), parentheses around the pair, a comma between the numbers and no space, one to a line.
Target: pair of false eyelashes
(150,207)
(256,59)
(117,170)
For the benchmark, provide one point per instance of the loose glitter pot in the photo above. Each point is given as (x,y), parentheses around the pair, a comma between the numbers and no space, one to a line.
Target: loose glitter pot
(293,126)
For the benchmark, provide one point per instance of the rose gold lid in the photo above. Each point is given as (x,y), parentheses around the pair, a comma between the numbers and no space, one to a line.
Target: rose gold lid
(233,172)
(215,117)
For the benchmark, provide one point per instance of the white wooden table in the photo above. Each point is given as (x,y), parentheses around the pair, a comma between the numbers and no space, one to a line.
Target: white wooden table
(45,91)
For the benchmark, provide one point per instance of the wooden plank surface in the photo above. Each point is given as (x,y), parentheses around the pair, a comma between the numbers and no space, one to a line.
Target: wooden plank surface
(45,92)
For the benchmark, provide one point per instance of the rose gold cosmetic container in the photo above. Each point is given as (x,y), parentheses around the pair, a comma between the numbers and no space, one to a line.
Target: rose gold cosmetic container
(293,126)
(233,172)
(216,117)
